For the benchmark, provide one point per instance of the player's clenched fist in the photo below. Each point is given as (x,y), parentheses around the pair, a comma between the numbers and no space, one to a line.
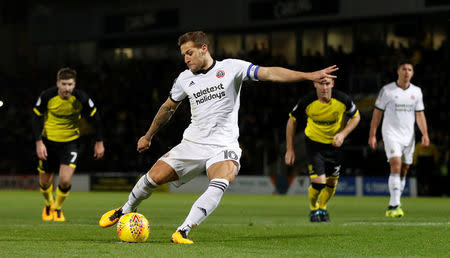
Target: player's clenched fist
(143,144)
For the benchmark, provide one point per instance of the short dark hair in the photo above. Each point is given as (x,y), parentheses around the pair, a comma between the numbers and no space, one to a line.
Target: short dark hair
(198,37)
(403,62)
(66,73)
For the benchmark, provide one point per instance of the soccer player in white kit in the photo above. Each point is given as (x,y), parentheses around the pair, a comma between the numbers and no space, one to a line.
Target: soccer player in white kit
(210,143)
(401,103)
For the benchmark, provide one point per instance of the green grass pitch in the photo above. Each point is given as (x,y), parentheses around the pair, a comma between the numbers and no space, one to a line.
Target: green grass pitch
(242,226)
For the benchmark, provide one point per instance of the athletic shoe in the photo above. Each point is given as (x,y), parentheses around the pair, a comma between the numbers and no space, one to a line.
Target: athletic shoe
(47,213)
(323,214)
(394,212)
(58,215)
(110,218)
(314,216)
(180,237)
(398,212)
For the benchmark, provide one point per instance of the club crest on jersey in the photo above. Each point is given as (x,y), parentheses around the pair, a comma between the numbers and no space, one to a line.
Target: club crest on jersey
(413,97)
(220,74)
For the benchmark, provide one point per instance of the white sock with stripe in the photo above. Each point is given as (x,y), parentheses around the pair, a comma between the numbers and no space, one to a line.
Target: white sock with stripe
(141,191)
(205,204)
(394,189)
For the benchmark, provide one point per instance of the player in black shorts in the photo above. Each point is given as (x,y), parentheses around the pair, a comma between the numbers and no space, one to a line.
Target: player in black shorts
(325,133)
(56,128)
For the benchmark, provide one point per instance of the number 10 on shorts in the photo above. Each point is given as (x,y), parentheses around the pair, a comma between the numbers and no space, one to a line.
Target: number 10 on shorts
(228,154)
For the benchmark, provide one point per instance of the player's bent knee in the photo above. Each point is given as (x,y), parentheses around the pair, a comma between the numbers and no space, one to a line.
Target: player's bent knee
(225,169)
(162,173)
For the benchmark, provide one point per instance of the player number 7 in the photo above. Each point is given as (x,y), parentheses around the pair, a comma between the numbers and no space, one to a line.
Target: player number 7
(74,156)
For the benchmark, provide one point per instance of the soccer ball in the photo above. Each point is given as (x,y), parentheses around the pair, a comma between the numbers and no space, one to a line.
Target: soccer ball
(133,228)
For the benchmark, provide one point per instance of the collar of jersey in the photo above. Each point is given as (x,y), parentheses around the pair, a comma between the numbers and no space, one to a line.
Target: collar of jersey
(207,70)
(401,87)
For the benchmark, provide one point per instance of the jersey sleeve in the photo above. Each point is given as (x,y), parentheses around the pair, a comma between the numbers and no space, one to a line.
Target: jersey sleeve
(298,110)
(89,108)
(90,111)
(351,108)
(419,104)
(40,107)
(245,70)
(177,93)
(382,99)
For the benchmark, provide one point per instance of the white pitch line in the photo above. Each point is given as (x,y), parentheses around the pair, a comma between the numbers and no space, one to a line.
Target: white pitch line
(405,224)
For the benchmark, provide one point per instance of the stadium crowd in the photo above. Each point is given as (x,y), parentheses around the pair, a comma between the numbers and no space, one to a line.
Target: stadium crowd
(129,93)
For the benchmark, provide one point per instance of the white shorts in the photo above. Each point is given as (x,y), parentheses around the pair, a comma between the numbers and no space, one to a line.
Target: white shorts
(396,149)
(190,159)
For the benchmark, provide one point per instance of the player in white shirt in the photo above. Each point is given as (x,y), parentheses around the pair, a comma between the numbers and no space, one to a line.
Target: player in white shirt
(401,103)
(210,143)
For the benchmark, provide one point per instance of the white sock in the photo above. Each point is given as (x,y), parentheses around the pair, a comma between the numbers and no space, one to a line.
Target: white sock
(141,191)
(205,204)
(394,189)
(402,184)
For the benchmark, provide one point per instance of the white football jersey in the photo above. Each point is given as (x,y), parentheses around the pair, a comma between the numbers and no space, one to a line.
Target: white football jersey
(214,98)
(399,106)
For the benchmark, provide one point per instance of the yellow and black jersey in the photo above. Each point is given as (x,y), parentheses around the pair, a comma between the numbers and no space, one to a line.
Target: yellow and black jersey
(57,119)
(324,120)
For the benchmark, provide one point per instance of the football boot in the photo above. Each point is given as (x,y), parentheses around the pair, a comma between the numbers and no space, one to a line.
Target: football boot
(47,213)
(58,215)
(394,212)
(110,218)
(314,216)
(324,216)
(180,237)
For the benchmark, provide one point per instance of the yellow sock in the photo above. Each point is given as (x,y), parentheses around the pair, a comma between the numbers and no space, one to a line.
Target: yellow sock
(60,197)
(325,196)
(313,194)
(48,195)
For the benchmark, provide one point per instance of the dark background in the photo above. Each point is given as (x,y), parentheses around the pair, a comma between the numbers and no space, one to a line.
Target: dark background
(127,58)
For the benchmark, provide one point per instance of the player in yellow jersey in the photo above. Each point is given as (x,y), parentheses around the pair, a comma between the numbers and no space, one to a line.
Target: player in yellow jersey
(56,117)
(325,132)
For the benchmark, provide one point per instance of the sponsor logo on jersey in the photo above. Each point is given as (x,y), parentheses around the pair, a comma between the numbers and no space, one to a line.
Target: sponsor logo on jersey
(191,83)
(404,107)
(220,74)
(215,92)
(324,122)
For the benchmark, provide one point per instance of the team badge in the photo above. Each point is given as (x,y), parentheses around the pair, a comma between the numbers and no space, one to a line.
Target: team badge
(220,74)
(413,97)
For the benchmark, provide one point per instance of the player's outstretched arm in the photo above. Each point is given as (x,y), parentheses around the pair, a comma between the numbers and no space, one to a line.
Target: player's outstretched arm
(280,74)
(163,116)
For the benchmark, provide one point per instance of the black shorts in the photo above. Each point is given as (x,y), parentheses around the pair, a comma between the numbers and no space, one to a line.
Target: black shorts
(58,153)
(322,159)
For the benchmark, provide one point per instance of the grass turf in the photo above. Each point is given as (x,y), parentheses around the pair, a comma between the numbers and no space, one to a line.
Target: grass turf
(242,226)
